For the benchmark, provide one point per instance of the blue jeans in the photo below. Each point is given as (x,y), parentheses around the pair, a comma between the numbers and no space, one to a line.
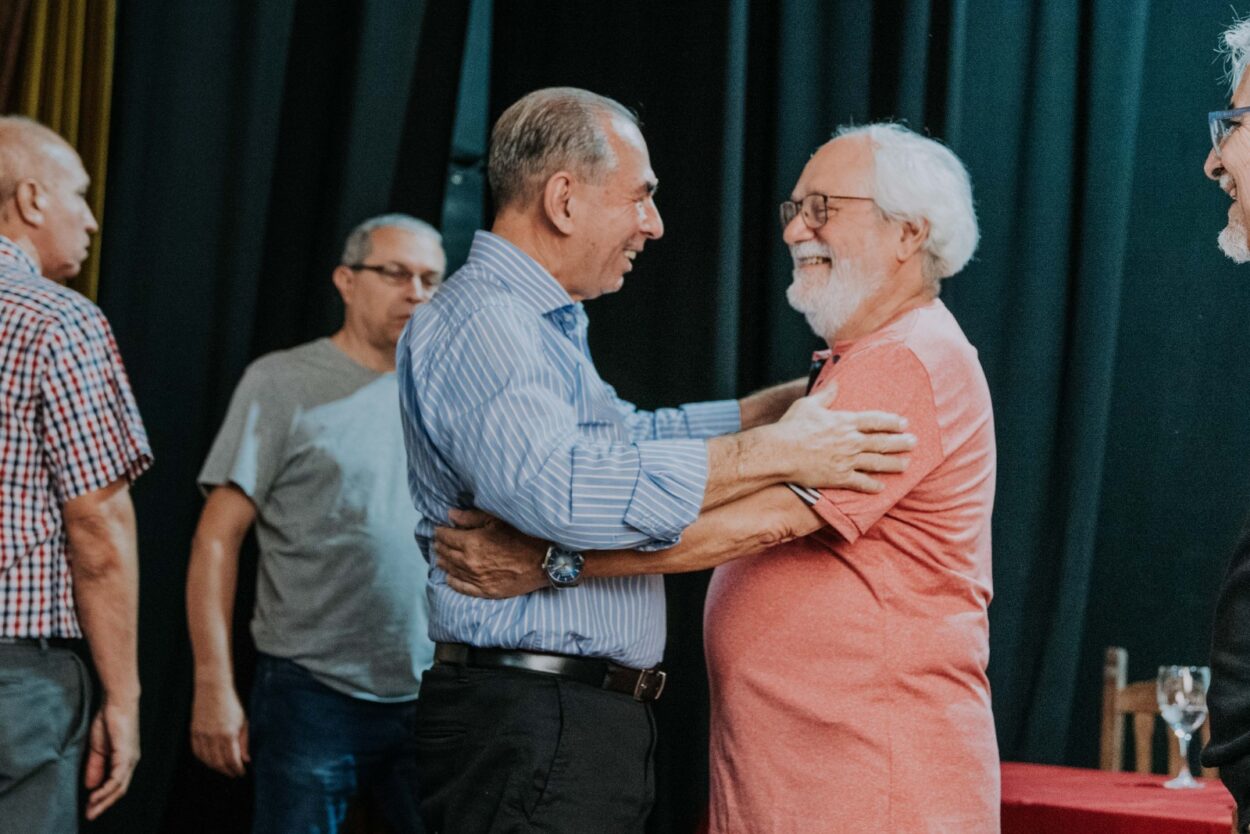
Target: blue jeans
(314,748)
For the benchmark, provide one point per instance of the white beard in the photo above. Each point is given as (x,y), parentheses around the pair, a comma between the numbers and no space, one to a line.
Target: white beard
(1233,241)
(828,301)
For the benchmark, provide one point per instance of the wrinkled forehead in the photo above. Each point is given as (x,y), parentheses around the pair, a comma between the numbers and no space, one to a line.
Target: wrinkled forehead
(842,166)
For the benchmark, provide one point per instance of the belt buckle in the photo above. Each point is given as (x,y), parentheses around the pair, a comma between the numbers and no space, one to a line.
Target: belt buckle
(644,683)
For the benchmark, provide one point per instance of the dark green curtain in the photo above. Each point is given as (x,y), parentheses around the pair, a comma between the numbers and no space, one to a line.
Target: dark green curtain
(248,137)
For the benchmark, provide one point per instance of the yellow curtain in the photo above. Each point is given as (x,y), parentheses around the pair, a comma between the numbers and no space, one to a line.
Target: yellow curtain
(61,73)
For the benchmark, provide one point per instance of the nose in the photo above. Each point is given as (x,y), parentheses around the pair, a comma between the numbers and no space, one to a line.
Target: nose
(419,291)
(1213,168)
(92,226)
(796,231)
(652,223)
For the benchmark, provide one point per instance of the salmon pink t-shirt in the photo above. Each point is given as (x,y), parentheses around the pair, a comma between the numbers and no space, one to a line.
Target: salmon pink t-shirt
(847,668)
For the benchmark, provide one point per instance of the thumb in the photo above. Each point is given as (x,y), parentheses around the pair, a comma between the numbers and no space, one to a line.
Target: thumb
(826,395)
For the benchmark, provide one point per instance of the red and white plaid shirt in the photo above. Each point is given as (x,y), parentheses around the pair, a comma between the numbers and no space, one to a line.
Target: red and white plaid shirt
(68,426)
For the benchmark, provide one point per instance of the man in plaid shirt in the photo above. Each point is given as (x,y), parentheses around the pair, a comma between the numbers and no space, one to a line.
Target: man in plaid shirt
(71,442)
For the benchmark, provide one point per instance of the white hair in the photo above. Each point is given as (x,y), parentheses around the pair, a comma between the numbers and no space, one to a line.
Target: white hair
(1235,47)
(917,178)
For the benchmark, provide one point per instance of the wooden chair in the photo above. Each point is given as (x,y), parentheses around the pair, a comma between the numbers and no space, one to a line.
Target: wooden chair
(1137,699)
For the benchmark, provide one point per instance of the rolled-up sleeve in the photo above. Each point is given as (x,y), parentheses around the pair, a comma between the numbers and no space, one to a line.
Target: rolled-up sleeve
(690,421)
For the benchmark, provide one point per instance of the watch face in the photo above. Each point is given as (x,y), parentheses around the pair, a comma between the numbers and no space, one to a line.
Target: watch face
(564,567)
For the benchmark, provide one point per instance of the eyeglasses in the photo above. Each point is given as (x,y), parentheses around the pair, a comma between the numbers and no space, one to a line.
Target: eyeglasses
(813,207)
(396,275)
(1222,123)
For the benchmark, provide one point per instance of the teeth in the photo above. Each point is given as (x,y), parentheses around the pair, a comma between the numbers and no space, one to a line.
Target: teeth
(629,253)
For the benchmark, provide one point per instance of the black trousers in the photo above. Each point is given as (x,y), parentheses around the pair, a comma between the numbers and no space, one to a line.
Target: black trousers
(510,751)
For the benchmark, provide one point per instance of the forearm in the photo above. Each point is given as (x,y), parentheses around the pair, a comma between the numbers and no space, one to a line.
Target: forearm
(739,465)
(746,526)
(767,406)
(103,560)
(212,579)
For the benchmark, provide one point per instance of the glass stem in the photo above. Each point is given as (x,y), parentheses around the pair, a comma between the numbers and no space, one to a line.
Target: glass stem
(1183,739)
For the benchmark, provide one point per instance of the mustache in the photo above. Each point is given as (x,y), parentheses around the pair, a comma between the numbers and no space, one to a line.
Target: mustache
(1226,181)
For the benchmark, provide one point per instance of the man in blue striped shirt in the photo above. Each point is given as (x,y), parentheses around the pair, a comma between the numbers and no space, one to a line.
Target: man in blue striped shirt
(536,714)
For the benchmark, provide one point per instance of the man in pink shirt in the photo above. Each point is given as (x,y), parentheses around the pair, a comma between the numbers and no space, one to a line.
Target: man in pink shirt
(847,653)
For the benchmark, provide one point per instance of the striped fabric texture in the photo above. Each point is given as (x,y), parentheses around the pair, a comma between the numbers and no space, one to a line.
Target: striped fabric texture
(503,410)
(68,426)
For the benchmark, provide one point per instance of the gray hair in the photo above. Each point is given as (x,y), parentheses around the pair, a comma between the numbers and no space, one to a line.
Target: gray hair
(546,131)
(1235,47)
(21,151)
(359,243)
(916,178)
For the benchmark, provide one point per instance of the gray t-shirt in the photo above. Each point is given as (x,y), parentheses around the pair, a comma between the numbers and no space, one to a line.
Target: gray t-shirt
(314,440)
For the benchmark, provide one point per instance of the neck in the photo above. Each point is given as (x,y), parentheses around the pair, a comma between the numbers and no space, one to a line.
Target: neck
(22,241)
(905,290)
(363,352)
(536,238)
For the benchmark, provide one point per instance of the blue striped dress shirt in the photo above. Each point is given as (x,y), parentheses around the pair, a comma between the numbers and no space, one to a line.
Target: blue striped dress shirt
(503,410)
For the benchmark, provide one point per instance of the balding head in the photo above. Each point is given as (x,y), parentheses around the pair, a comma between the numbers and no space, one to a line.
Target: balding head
(43,206)
(27,149)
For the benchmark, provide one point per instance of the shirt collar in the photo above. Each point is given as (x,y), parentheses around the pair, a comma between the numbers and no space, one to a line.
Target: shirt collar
(12,257)
(525,276)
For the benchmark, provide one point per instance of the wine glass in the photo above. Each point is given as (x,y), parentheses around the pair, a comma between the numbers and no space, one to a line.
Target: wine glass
(1182,694)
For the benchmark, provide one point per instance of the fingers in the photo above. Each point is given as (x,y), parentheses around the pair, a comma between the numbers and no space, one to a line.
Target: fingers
(221,754)
(469,519)
(451,538)
(97,752)
(461,586)
(860,482)
(870,462)
(113,789)
(887,443)
(871,421)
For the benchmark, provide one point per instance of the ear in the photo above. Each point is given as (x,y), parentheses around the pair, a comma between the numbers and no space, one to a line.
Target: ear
(30,202)
(913,235)
(558,200)
(344,281)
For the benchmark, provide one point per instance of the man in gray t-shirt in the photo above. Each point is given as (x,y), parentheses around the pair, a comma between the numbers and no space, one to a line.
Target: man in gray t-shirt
(311,452)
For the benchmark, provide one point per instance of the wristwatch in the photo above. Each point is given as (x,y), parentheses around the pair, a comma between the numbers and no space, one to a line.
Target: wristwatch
(563,567)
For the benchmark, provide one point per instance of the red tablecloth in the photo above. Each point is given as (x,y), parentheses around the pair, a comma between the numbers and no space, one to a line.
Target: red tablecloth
(1039,799)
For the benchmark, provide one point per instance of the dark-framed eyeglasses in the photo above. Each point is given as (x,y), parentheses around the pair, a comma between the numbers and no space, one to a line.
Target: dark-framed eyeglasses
(813,207)
(394,274)
(1222,123)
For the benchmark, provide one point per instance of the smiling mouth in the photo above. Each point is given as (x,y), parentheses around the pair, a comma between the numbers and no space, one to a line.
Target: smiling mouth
(815,260)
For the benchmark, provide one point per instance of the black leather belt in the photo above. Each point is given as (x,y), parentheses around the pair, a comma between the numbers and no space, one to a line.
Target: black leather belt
(642,684)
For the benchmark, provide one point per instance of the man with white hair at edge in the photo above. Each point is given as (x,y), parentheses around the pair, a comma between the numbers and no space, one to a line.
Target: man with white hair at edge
(847,647)
(1228,163)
